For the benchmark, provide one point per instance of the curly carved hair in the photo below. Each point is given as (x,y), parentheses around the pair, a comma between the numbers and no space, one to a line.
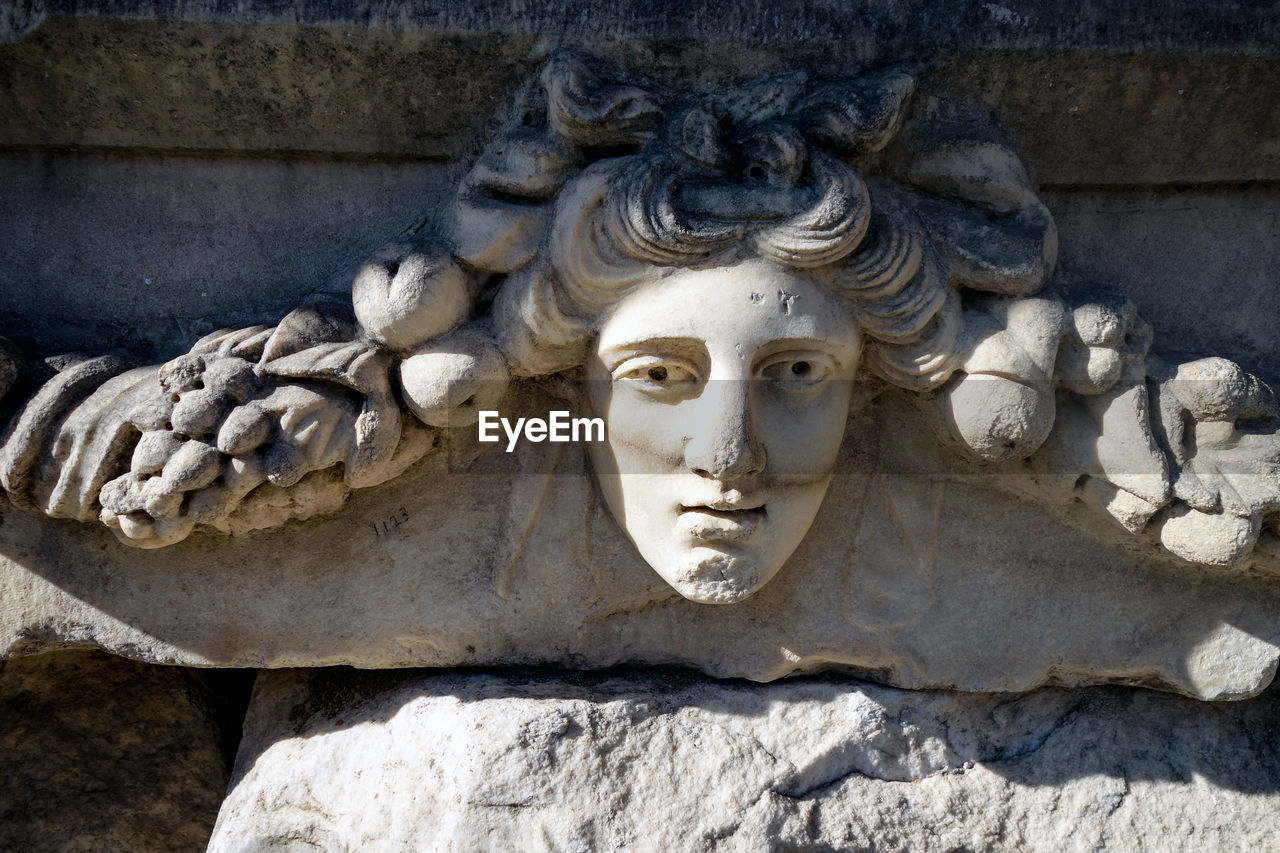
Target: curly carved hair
(621,178)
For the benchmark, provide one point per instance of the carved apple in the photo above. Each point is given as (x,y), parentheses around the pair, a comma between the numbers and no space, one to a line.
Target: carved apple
(406,295)
(449,380)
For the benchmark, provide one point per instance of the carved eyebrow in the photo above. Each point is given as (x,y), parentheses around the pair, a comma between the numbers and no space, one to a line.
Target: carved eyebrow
(836,350)
(615,353)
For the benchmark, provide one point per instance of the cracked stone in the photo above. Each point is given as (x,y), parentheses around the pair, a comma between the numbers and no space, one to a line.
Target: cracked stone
(351,760)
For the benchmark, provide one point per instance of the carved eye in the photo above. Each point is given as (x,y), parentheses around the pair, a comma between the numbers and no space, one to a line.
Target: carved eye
(658,376)
(797,371)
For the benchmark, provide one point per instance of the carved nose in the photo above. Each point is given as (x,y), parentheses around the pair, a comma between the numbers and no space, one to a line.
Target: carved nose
(724,445)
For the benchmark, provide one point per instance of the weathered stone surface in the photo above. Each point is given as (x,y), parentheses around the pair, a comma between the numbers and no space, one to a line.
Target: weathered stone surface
(152,253)
(712,296)
(1170,252)
(102,753)
(176,168)
(177,247)
(1093,95)
(903,25)
(926,579)
(341,760)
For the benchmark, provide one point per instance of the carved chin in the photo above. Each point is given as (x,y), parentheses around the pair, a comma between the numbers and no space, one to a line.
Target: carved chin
(716,578)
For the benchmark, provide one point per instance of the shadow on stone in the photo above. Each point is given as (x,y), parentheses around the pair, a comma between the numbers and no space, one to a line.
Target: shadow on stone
(103,753)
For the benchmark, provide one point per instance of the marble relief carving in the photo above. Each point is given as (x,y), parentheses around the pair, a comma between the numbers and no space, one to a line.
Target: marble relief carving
(721,278)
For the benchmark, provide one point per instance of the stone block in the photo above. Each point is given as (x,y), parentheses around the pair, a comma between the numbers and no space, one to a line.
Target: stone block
(340,760)
(103,753)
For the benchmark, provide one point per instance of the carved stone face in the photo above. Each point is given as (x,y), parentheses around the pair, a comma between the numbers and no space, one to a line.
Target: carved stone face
(725,394)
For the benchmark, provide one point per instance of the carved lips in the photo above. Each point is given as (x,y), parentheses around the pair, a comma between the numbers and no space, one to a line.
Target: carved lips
(722,520)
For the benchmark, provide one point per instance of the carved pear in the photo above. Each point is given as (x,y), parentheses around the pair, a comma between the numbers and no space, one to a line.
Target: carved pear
(998,418)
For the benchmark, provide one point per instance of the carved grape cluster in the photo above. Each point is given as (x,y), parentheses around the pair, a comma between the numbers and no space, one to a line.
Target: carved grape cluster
(207,441)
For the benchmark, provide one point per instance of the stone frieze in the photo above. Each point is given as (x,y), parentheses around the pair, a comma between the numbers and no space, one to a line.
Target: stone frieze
(847,423)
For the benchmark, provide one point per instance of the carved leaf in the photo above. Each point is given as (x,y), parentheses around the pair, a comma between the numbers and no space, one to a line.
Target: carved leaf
(1102,450)
(371,440)
(968,170)
(32,468)
(241,343)
(525,165)
(495,235)
(982,210)
(590,112)
(1011,255)
(1242,474)
(314,425)
(763,100)
(499,214)
(1222,428)
(307,326)
(859,116)
(358,365)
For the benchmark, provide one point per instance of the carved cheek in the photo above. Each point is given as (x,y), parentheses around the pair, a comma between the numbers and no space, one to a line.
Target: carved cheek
(802,437)
(648,435)
(643,435)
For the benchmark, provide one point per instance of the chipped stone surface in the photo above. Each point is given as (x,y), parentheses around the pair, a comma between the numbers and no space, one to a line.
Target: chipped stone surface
(660,761)
(909,252)
(102,753)
(358,79)
(993,612)
(1102,516)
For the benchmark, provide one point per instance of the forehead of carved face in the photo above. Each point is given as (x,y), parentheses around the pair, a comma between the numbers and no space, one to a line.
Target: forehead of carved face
(725,394)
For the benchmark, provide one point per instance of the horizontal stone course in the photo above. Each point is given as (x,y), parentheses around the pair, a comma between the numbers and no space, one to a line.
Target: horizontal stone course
(1143,104)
